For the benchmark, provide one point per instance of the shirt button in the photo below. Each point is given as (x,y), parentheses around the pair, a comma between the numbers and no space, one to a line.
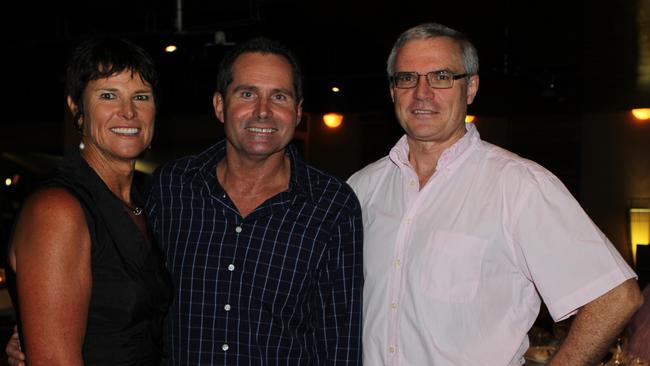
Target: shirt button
(225,347)
(238,229)
(398,263)
(408,221)
(226,307)
(391,349)
(412,183)
(393,306)
(231,267)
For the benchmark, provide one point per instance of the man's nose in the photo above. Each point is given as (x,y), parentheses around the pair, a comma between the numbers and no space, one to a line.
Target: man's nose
(263,109)
(422,88)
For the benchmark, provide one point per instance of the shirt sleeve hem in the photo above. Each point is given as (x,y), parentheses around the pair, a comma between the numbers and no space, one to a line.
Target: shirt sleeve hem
(569,305)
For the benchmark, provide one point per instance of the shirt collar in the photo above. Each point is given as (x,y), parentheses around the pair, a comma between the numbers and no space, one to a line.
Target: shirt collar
(299,180)
(450,157)
(206,163)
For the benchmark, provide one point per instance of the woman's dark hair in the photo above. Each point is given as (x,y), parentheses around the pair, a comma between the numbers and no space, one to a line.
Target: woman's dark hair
(258,45)
(101,58)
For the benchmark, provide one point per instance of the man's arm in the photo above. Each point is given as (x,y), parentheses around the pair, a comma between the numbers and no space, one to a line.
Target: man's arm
(597,324)
(340,288)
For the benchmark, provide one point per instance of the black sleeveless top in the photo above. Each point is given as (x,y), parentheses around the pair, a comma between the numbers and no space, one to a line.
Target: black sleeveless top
(131,288)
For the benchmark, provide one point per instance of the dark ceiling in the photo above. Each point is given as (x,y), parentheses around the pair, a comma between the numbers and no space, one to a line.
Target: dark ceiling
(549,56)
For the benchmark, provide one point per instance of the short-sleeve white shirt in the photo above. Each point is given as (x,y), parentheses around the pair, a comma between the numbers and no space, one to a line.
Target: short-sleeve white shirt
(454,271)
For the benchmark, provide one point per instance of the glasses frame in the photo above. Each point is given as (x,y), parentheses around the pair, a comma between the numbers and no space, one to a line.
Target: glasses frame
(429,77)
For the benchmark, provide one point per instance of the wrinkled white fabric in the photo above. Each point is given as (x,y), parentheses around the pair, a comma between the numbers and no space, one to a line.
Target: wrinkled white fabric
(454,271)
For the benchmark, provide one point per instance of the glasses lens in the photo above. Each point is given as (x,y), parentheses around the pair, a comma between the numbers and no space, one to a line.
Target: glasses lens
(440,79)
(405,80)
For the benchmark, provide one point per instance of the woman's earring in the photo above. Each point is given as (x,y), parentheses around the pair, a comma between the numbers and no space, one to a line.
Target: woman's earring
(81,145)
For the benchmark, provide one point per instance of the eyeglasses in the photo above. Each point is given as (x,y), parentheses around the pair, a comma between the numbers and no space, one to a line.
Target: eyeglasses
(436,79)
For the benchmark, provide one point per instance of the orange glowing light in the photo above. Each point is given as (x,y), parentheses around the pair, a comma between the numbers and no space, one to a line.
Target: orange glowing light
(642,114)
(639,228)
(333,120)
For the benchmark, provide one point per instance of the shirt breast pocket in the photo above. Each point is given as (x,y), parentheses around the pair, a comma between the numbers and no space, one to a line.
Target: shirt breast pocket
(451,264)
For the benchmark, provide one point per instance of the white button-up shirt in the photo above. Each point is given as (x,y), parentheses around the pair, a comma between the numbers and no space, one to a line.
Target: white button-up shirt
(454,271)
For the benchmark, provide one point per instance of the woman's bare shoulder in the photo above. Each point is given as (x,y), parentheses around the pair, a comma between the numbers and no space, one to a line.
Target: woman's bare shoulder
(54,203)
(48,216)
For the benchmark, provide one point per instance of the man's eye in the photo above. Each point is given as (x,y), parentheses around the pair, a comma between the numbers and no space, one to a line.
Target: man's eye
(280,97)
(246,94)
(443,76)
(107,96)
(406,77)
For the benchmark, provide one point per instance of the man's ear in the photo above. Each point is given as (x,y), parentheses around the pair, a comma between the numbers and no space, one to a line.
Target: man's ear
(299,112)
(218,105)
(472,88)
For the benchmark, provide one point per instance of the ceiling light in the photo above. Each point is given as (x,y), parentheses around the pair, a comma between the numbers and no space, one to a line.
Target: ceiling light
(333,120)
(641,114)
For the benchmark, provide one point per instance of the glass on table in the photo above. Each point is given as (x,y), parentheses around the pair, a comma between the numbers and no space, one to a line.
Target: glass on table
(638,361)
(619,358)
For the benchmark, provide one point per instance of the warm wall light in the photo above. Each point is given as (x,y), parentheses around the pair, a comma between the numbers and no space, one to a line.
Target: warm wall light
(333,120)
(8,182)
(171,48)
(642,114)
(639,228)
(469,118)
(336,89)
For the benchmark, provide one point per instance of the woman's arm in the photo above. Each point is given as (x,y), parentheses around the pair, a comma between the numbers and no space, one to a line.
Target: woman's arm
(50,252)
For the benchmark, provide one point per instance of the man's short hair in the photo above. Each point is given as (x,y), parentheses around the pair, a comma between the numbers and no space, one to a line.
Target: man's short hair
(263,46)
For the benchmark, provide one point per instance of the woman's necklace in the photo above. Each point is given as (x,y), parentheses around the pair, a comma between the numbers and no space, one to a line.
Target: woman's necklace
(136,210)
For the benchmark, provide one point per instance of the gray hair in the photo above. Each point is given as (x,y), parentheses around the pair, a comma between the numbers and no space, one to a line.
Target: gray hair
(434,30)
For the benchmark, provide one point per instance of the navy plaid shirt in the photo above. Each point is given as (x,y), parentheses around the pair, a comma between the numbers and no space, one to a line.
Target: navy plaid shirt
(281,286)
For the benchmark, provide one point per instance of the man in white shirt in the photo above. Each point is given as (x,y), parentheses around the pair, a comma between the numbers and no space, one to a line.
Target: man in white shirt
(463,240)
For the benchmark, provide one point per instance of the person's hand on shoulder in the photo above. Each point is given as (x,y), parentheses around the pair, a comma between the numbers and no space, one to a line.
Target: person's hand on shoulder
(14,356)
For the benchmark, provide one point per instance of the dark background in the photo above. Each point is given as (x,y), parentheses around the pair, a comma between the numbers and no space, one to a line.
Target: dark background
(547,68)
(538,60)
(548,56)
(544,67)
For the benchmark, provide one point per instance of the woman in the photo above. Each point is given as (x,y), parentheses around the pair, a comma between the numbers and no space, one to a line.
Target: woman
(90,287)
